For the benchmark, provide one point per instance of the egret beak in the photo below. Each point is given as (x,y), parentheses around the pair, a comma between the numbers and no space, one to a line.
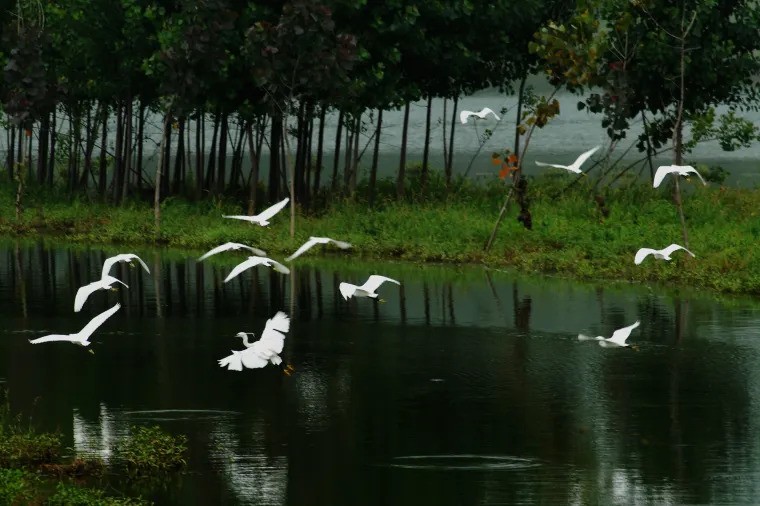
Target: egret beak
(381,301)
(91,351)
(113,289)
(634,347)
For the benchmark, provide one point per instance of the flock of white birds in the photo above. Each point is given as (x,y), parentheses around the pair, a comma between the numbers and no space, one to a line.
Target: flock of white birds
(267,348)
(620,336)
(256,354)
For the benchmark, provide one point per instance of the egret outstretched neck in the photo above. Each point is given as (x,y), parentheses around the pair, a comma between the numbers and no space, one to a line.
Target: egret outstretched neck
(246,341)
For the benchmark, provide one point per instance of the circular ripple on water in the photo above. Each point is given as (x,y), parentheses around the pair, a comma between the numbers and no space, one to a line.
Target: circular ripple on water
(463,462)
(168,415)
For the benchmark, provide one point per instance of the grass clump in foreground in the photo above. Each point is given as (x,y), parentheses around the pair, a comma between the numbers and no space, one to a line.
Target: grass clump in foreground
(570,235)
(21,446)
(148,450)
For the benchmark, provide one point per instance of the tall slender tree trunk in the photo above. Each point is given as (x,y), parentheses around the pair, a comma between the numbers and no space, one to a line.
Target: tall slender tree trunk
(348,156)
(375,155)
(336,159)
(320,146)
(222,163)
(355,156)
(159,168)
(127,148)
(518,118)
(140,142)
(254,178)
(198,156)
(118,174)
(51,158)
(443,137)
(274,157)
(450,161)
(211,168)
(426,149)
(179,159)
(42,149)
(402,161)
(11,153)
(102,165)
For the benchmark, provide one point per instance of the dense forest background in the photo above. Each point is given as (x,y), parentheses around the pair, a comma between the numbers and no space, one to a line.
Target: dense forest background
(261,76)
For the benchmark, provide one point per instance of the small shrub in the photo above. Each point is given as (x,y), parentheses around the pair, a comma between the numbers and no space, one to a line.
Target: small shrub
(16,486)
(149,449)
(71,495)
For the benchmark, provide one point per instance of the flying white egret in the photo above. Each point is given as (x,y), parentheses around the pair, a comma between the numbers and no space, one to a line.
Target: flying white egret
(367,289)
(263,217)
(81,337)
(681,170)
(660,254)
(125,257)
(265,350)
(617,340)
(464,115)
(85,291)
(253,261)
(576,165)
(232,246)
(316,240)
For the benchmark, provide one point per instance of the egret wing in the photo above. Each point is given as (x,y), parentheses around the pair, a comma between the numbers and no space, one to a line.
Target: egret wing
(620,335)
(340,244)
(583,337)
(347,290)
(232,362)
(109,280)
(144,265)
(53,337)
(484,111)
(83,293)
(271,211)
(304,247)
(97,322)
(271,336)
(675,247)
(108,263)
(585,156)
(246,264)
(641,254)
(662,171)
(689,168)
(374,282)
(464,115)
(239,217)
(555,165)
(274,264)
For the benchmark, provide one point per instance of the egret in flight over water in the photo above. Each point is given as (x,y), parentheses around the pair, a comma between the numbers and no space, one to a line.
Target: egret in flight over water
(348,290)
(617,340)
(660,254)
(259,353)
(252,262)
(85,291)
(232,246)
(263,217)
(316,240)
(124,257)
(576,165)
(81,337)
(464,115)
(681,170)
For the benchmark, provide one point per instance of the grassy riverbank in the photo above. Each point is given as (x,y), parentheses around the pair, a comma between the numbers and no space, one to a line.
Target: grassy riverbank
(570,236)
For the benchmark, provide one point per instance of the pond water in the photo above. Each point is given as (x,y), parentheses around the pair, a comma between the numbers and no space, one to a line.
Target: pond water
(465,386)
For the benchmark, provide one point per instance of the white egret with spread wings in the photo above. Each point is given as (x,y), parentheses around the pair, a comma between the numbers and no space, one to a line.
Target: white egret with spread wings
(254,261)
(231,246)
(617,340)
(84,292)
(313,241)
(660,254)
(574,167)
(82,337)
(348,290)
(263,217)
(259,353)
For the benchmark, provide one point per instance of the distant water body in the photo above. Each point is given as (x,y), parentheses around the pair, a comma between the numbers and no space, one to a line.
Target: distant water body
(560,141)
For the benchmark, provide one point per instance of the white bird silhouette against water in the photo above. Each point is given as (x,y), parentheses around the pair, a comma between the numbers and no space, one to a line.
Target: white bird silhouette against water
(253,261)
(265,350)
(576,165)
(124,257)
(348,290)
(231,246)
(263,217)
(464,115)
(660,254)
(84,292)
(81,337)
(314,241)
(617,340)
(681,170)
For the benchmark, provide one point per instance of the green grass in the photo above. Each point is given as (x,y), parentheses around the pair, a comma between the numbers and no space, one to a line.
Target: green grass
(569,237)
(148,450)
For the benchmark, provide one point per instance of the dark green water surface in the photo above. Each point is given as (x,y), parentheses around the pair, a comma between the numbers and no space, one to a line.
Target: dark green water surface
(465,386)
